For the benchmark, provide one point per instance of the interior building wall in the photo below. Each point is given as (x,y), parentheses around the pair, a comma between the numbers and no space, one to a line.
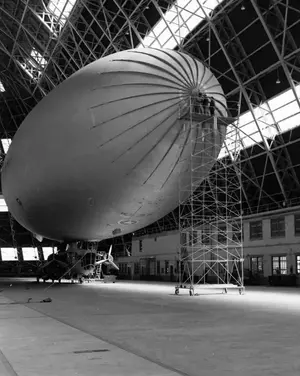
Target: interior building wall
(22,261)
(164,248)
(152,258)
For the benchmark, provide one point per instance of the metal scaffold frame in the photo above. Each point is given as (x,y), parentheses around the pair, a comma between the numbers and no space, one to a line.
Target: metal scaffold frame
(210,206)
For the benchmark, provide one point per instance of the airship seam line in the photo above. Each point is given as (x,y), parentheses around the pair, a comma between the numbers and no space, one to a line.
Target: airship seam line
(134,84)
(145,136)
(135,125)
(165,62)
(179,63)
(208,79)
(152,66)
(150,75)
(197,71)
(218,93)
(150,151)
(212,86)
(180,155)
(130,112)
(164,156)
(133,96)
(190,68)
(203,74)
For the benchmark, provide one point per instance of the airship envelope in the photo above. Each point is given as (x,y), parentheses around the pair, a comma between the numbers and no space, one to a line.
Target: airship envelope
(102,153)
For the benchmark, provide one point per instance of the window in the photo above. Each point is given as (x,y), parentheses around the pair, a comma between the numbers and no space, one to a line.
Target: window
(279,265)
(9,254)
(194,237)
(237,232)
(30,254)
(190,238)
(257,265)
(222,234)
(298,264)
(158,267)
(256,230)
(167,267)
(297,224)
(183,238)
(278,227)
(205,236)
(141,245)
(136,268)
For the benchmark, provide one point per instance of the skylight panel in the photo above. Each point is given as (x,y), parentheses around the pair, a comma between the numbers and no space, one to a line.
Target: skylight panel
(252,140)
(282,110)
(3,206)
(245,118)
(289,123)
(279,101)
(42,62)
(34,65)
(179,21)
(181,18)
(61,9)
(2,88)
(5,144)
(30,254)
(286,111)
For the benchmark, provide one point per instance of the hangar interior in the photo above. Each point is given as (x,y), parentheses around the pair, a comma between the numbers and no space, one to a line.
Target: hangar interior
(252,48)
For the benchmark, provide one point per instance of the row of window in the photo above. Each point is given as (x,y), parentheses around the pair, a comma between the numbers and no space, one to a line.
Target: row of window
(28,253)
(279,265)
(208,234)
(161,267)
(277,227)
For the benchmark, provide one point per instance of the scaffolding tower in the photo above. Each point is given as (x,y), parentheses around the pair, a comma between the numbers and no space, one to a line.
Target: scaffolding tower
(210,205)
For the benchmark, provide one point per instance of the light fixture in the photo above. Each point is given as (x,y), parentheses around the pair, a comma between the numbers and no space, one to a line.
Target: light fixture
(243,7)
(278,78)
(207,39)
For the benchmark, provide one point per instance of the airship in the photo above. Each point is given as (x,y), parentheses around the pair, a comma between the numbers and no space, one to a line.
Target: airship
(101,155)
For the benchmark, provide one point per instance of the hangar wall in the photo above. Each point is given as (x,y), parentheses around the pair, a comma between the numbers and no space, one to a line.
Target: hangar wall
(271,251)
(22,260)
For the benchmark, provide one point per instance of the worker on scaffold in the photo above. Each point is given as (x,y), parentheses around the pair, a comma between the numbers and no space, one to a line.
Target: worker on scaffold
(212,106)
(205,105)
(196,103)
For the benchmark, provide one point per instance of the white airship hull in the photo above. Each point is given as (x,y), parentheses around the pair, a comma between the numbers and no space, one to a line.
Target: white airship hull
(101,154)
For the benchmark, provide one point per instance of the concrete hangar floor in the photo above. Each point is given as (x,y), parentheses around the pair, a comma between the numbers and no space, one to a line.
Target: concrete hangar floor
(144,329)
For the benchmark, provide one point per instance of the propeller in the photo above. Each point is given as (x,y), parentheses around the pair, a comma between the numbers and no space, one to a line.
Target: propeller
(109,259)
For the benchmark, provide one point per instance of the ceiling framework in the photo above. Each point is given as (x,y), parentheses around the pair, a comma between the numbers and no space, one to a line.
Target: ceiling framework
(252,47)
